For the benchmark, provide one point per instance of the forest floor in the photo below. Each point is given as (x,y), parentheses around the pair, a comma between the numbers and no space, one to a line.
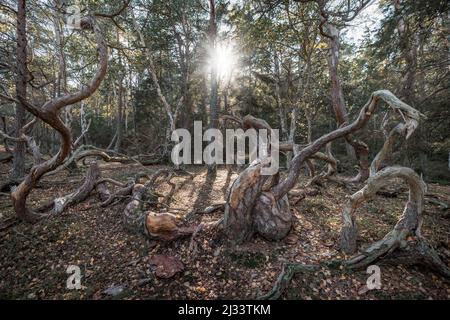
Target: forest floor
(34,258)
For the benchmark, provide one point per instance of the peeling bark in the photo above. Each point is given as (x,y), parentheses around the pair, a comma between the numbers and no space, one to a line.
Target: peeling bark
(250,207)
(238,215)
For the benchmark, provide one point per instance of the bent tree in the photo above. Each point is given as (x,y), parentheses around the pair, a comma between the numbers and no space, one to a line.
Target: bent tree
(49,113)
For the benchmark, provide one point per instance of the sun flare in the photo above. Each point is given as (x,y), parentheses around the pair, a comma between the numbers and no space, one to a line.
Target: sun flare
(224,58)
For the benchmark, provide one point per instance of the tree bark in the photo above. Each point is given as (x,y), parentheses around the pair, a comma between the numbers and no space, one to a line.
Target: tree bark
(337,97)
(411,115)
(61,78)
(280,106)
(18,170)
(119,118)
(406,234)
(157,226)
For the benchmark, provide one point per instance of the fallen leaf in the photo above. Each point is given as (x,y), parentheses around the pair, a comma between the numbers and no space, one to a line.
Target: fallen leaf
(291,239)
(166,266)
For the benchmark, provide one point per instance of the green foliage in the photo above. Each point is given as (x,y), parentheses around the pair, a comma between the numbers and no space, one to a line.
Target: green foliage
(279,47)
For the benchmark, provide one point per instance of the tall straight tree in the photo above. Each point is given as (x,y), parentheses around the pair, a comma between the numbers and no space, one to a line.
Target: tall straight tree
(214,86)
(18,170)
(213,105)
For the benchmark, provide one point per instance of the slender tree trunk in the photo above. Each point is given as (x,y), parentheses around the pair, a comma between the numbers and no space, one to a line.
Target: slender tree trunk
(214,85)
(172,114)
(292,130)
(281,110)
(50,114)
(204,104)
(119,118)
(83,123)
(21,90)
(226,89)
(61,78)
(337,97)
(213,103)
(409,44)
(309,126)
(303,97)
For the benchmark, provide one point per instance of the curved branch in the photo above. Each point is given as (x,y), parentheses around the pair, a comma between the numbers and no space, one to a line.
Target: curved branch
(412,117)
(406,235)
(49,113)
(383,155)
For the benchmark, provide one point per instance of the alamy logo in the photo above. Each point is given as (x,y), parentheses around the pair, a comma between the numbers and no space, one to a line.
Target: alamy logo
(74,280)
(73,18)
(374,281)
(262,145)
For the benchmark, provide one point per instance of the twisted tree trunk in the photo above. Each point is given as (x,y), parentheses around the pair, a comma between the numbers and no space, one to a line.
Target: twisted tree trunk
(404,244)
(409,223)
(49,113)
(251,203)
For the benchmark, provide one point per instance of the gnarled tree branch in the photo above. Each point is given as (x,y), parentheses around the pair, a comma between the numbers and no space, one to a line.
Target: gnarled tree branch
(49,113)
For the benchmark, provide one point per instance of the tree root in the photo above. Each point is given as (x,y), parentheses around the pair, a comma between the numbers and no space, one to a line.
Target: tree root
(418,252)
(117,195)
(287,273)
